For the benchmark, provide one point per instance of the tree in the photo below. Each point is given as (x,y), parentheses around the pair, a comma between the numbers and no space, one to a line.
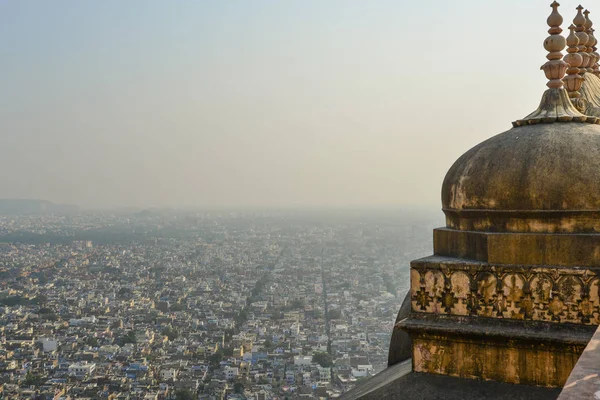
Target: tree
(215,359)
(150,317)
(171,333)
(277,315)
(263,381)
(361,296)
(297,304)
(229,334)
(241,317)
(184,394)
(13,301)
(49,317)
(334,314)
(238,387)
(268,344)
(124,293)
(129,338)
(39,299)
(32,380)
(323,359)
(115,324)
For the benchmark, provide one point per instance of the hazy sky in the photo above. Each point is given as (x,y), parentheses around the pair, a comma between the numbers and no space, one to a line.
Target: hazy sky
(258,103)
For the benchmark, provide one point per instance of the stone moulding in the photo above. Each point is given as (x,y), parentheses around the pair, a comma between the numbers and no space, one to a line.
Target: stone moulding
(527,332)
(521,221)
(519,248)
(555,106)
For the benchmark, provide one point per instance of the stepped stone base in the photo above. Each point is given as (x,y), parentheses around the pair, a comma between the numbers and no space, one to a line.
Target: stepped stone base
(514,323)
(519,352)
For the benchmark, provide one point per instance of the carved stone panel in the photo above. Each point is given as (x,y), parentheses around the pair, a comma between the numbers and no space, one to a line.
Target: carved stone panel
(515,292)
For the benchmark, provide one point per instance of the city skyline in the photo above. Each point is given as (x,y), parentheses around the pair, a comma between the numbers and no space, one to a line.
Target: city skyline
(163,305)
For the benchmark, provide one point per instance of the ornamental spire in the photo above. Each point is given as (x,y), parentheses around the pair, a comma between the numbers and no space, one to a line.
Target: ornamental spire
(555,67)
(579,21)
(595,66)
(573,80)
(590,43)
(555,105)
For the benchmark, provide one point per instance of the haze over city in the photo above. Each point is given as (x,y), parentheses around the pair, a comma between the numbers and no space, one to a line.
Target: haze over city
(276,200)
(305,103)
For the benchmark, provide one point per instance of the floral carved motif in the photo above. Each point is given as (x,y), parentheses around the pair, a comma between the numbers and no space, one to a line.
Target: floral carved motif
(553,295)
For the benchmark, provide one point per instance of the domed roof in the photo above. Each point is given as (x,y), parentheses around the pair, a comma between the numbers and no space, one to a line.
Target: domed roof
(542,167)
(544,174)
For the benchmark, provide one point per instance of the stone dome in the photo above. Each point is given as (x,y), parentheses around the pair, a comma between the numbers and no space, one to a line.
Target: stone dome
(543,177)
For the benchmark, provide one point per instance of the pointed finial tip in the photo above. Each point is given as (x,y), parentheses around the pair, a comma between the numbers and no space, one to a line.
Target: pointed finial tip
(579,7)
(553,108)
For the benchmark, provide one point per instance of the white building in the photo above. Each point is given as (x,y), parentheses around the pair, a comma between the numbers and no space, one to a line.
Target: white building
(303,360)
(231,372)
(290,377)
(324,374)
(109,349)
(82,369)
(89,320)
(168,374)
(362,370)
(306,380)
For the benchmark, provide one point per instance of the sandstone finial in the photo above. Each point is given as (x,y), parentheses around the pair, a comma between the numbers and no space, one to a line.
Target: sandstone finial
(555,67)
(580,21)
(590,43)
(595,66)
(555,105)
(588,22)
(573,80)
(555,19)
(579,18)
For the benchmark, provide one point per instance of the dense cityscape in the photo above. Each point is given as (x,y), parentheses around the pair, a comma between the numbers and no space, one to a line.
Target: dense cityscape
(181,305)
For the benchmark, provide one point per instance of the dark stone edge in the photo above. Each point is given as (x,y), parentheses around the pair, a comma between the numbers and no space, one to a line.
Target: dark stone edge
(498,329)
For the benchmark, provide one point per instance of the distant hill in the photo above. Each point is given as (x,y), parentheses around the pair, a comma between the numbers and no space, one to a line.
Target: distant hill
(29,206)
